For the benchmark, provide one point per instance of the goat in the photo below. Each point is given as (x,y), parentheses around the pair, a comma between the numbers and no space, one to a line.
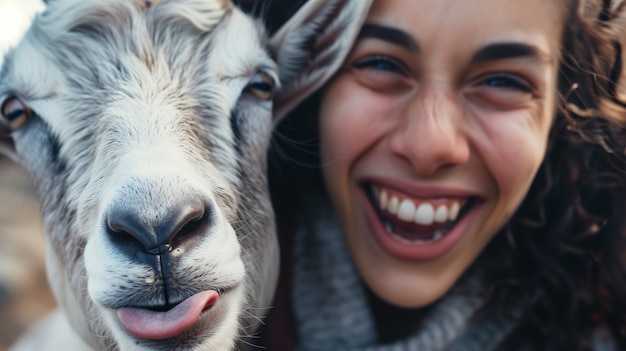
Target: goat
(144,127)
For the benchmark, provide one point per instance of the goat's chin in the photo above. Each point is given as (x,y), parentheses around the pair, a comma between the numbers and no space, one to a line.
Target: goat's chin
(216,329)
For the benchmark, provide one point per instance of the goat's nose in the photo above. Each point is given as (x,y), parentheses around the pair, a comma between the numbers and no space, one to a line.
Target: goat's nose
(158,235)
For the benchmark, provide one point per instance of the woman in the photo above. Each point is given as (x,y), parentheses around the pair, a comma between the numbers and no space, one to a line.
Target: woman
(471,191)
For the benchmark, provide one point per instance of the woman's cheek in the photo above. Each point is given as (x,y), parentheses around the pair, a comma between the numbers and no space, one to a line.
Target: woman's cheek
(513,149)
(352,119)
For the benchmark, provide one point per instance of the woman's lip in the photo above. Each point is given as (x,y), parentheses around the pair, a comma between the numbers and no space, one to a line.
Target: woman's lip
(415,251)
(418,191)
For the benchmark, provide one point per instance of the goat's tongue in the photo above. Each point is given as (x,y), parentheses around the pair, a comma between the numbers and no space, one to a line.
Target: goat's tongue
(147,324)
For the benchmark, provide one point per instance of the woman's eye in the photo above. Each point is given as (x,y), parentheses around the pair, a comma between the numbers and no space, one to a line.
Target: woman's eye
(15,113)
(381,63)
(506,81)
(261,85)
(502,90)
(382,74)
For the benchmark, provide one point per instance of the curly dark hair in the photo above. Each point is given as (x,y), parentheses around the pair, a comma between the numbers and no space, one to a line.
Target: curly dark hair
(563,253)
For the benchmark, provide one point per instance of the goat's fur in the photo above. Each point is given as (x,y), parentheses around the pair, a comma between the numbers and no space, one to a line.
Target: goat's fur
(145,109)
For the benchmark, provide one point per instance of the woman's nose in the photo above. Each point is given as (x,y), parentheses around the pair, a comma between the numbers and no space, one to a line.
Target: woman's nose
(432,134)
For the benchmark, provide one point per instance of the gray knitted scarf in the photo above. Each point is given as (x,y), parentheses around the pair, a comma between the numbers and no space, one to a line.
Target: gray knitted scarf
(332,311)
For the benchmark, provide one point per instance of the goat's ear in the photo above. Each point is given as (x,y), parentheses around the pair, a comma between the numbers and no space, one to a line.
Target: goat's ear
(312,45)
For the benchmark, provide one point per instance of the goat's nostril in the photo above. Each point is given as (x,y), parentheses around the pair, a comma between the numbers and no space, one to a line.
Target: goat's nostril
(126,231)
(193,226)
(157,236)
(194,222)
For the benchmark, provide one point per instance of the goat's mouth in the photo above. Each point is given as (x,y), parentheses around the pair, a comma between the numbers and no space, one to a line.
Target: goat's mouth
(169,321)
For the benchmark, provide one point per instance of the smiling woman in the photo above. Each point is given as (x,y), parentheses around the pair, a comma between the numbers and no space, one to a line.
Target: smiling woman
(471,184)
(456,115)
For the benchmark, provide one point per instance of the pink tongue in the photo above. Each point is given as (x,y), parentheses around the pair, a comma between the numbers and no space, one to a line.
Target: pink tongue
(147,324)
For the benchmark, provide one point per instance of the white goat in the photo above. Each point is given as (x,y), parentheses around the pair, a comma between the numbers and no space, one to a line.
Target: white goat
(144,128)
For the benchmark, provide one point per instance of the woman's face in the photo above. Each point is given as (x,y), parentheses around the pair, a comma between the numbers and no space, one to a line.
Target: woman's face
(433,132)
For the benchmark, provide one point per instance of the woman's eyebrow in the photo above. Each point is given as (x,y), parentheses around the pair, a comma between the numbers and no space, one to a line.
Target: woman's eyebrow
(389,34)
(501,51)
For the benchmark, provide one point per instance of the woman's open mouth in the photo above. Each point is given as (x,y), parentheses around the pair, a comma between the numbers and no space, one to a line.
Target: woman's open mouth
(414,223)
(417,221)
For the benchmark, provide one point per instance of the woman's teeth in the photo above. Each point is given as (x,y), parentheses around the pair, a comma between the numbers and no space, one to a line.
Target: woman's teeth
(419,212)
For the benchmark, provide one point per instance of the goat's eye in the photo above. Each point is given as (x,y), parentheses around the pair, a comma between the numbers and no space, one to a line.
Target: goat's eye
(261,85)
(15,112)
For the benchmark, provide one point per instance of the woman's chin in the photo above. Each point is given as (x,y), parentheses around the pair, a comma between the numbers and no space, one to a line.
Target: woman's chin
(410,296)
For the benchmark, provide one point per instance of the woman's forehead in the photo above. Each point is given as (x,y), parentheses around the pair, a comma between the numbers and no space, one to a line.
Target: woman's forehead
(474,24)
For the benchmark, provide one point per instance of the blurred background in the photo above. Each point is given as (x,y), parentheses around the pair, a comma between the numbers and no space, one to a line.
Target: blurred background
(24,293)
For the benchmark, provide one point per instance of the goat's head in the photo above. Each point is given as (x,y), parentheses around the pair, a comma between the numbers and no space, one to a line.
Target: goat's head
(144,127)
